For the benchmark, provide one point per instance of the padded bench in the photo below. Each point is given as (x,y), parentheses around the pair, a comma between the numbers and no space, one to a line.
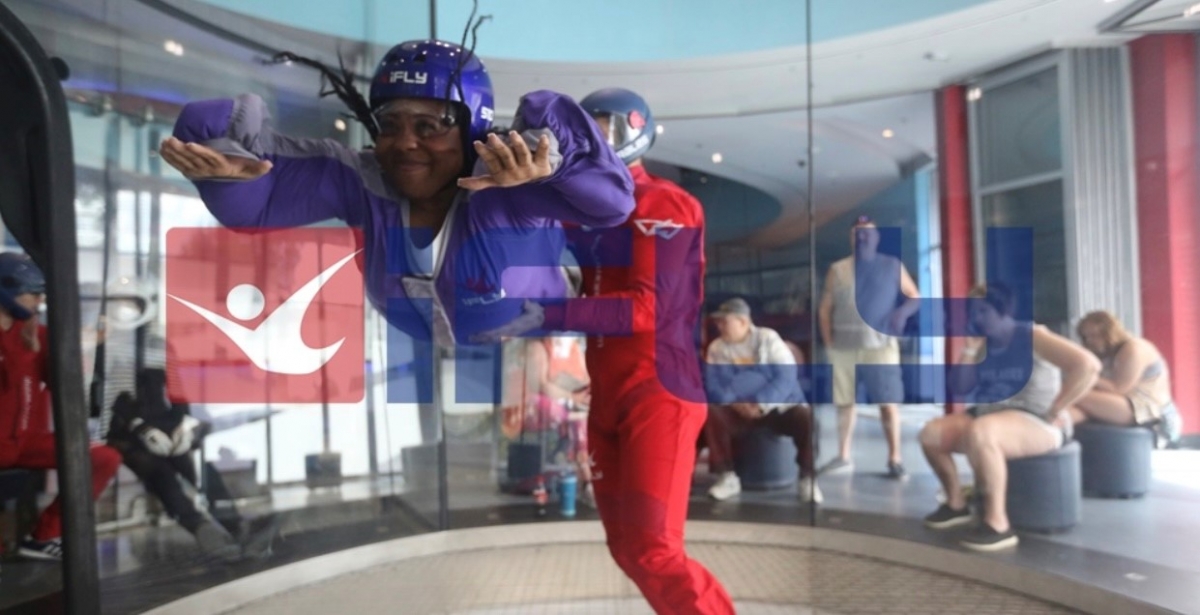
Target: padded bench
(1116,459)
(1045,492)
(764,460)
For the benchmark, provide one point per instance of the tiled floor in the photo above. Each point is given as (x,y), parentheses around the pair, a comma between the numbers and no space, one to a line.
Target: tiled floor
(1145,548)
(581,578)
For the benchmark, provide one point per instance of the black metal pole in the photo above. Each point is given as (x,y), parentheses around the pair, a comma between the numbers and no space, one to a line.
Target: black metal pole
(443,462)
(37,201)
(139,267)
(372,430)
(433,19)
(813,335)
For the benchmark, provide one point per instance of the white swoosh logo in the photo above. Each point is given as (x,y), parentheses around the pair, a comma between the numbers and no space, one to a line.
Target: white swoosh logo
(288,352)
(663,228)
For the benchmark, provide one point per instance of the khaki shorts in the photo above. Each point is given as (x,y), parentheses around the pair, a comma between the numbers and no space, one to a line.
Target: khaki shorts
(1146,409)
(884,386)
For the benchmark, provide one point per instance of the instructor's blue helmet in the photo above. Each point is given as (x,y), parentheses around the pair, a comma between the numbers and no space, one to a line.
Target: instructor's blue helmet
(19,275)
(631,126)
(437,70)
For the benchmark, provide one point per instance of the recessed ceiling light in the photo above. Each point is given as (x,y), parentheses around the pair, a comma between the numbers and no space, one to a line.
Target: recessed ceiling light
(658,130)
(716,157)
(974,94)
(888,134)
(339,124)
(1192,11)
(173,47)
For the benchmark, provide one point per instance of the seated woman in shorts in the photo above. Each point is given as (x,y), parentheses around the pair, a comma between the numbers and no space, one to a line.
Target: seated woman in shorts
(1135,385)
(1029,377)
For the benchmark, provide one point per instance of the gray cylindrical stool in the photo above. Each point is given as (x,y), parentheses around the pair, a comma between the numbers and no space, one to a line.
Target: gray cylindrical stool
(764,460)
(1116,460)
(1045,492)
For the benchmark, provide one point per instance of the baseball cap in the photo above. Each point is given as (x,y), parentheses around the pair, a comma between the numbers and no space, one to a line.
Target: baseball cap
(731,307)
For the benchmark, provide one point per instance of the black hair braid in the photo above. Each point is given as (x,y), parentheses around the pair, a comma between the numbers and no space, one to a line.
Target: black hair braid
(338,84)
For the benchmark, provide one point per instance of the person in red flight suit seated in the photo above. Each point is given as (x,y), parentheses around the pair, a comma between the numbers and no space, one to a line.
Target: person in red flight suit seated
(26,440)
(643,288)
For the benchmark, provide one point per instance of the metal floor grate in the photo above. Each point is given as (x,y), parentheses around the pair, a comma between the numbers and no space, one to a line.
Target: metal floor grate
(579,578)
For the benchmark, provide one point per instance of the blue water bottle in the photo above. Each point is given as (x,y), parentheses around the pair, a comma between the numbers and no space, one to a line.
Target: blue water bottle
(568,486)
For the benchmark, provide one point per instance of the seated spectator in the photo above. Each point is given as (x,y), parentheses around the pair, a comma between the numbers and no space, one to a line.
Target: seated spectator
(555,370)
(26,440)
(1134,387)
(761,389)
(1022,388)
(156,437)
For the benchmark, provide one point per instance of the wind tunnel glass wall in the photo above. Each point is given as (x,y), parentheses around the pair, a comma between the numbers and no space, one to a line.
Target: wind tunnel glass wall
(1057,172)
(1060,149)
(324,477)
(262,470)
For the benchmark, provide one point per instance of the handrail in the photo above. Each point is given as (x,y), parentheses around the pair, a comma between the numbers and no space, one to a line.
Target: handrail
(37,204)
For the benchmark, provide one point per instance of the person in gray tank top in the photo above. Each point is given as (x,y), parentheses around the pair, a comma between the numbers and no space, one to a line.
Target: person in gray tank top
(1021,379)
(859,319)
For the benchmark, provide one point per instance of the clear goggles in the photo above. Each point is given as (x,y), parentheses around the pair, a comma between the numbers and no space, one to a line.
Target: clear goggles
(401,117)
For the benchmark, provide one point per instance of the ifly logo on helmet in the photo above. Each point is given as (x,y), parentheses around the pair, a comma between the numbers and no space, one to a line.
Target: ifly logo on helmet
(403,76)
(261,317)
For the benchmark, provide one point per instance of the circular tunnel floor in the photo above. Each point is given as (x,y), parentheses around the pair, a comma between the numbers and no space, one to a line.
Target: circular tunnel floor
(579,578)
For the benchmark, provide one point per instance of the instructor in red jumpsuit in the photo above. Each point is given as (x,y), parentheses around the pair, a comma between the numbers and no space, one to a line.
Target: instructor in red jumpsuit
(643,284)
(26,440)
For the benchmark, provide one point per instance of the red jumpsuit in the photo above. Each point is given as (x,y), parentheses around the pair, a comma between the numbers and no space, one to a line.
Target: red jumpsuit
(26,440)
(645,286)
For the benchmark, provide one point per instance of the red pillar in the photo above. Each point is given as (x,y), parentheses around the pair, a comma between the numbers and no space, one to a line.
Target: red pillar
(1168,196)
(954,190)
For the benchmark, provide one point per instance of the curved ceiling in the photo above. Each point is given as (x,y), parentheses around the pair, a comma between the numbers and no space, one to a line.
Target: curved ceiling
(602,30)
(751,107)
(874,65)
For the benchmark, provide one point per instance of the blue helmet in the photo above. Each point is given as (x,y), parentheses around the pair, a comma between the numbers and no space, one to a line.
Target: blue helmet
(436,70)
(18,275)
(631,127)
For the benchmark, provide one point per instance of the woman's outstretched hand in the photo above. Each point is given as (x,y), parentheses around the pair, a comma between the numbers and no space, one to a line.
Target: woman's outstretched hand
(196,161)
(509,164)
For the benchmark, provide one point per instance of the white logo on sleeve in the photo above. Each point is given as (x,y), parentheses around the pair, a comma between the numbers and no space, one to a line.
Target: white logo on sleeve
(279,334)
(662,228)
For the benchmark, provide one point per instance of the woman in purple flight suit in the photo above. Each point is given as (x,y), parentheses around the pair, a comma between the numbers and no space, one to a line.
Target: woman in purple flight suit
(429,228)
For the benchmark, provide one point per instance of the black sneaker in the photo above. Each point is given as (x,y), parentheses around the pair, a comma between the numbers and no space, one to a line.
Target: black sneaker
(895,471)
(945,517)
(49,550)
(984,538)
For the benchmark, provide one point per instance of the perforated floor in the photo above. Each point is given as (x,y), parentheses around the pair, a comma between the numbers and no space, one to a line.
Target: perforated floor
(579,578)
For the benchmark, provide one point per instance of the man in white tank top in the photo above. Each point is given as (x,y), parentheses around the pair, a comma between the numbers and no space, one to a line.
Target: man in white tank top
(859,316)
